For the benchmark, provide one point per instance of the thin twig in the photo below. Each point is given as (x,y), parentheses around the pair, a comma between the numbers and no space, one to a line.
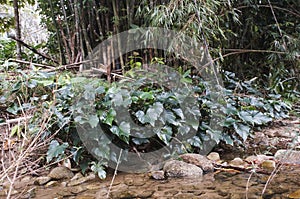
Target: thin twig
(16,120)
(115,174)
(31,63)
(248,182)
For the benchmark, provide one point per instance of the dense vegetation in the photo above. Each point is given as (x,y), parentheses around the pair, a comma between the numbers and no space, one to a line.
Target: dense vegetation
(255,45)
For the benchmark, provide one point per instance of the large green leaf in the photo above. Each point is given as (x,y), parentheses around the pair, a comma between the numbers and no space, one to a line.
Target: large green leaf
(242,130)
(142,117)
(178,112)
(260,118)
(169,117)
(56,150)
(125,128)
(110,116)
(93,120)
(165,134)
(246,116)
(154,112)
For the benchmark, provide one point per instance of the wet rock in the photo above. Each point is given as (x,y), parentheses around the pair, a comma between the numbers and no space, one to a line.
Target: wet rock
(85,197)
(237,162)
(170,192)
(258,159)
(295,194)
(214,156)
(145,193)
(77,176)
(42,180)
(176,168)
(184,196)
(199,160)
(79,181)
(123,194)
(60,173)
(157,175)
(65,193)
(210,195)
(77,189)
(51,184)
(288,156)
(94,186)
(268,165)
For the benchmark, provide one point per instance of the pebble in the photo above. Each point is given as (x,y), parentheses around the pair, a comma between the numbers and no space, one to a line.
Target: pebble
(157,175)
(268,165)
(51,184)
(42,180)
(214,156)
(237,162)
(199,160)
(176,168)
(79,181)
(59,173)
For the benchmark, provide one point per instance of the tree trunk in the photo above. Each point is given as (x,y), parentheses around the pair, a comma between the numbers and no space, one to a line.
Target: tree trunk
(17,28)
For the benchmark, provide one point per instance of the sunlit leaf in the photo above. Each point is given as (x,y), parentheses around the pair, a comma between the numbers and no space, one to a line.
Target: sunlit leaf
(242,130)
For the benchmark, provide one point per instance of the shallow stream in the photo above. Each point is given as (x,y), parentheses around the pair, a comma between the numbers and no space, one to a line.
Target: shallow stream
(223,184)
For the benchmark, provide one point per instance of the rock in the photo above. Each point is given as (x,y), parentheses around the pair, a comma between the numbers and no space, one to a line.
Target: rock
(214,156)
(42,180)
(85,197)
(157,175)
(31,193)
(60,173)
(77,189)
(295,194)
(51,184)
(65,193)
(79,181)
(176,168)
(258,159)
(288,156)
(145,193)
(77,176)
(199,160)
(268,165)
(4,192)
(238,162)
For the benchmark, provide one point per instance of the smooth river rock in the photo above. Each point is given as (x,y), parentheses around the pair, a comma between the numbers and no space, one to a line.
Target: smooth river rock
(199,160)
(176,168)
(157,175)
(60,173)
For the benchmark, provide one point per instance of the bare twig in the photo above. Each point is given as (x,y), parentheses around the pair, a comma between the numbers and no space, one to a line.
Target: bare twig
(115,174)
(31,63)
(32,49)
(248,182)
(19,120)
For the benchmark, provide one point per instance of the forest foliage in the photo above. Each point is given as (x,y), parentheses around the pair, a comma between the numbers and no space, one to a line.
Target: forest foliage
(255,44)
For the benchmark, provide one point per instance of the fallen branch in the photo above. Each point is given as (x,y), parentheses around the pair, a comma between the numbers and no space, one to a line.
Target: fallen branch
(242,169)
(31,63)
(32,49)
(16,120)
(114,74)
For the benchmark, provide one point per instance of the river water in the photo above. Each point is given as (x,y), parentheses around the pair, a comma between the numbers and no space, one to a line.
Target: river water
(220,184)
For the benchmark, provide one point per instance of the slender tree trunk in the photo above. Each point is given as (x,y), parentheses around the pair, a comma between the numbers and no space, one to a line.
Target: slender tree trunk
(17,28)
(58,35)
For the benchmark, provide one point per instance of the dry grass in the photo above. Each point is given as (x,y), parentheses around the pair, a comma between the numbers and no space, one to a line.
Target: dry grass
(23,152)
